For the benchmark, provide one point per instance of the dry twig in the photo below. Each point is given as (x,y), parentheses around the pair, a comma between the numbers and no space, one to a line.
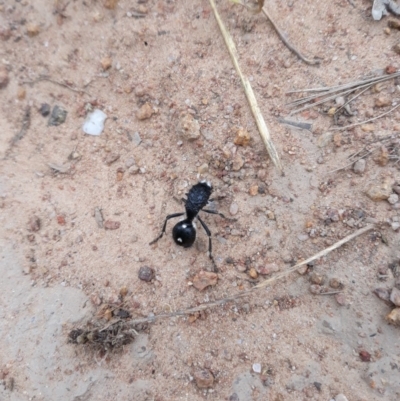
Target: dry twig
(263,284)
(255,9)
(262,127)
(57,83)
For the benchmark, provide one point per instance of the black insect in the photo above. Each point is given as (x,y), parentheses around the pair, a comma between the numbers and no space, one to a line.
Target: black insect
(184,232)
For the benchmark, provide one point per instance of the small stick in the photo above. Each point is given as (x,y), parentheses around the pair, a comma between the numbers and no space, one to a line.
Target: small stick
(263,284)
(366,121)
(350,164)
(286,42)
(57,83)
(262,127)
(330,293)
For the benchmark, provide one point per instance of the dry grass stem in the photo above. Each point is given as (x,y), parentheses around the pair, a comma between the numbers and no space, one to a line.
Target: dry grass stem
(262,127)
(263,284)
(365,121)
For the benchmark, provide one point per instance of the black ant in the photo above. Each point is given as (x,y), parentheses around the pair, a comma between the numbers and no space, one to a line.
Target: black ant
(184,232)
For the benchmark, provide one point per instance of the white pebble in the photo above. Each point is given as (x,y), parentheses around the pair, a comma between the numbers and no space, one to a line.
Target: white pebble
(393,198)
(94,123)
(256,367)
(341,397)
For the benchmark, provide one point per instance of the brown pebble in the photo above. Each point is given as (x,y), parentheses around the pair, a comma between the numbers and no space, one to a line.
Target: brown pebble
(394,317)
(390,69)
(242,137)
(335,283)
(316,289)
(108,314)
(3,77)
(237,162)
(204,279)
(365,356)
(111,225)
(253,191)
(203,378)
(146,273)
(96,300)
(382,101)
(110,4)
(120,174)
(34,224)
(383,156)
(380,191)
(341,299)
(145,112)
(123,291)
(111,158)
(337,139)
(21,93)
(106,63)
(32,29)
(253,273)
(268,269)
(394,24)
(316,278)
(396,48)
(61,220)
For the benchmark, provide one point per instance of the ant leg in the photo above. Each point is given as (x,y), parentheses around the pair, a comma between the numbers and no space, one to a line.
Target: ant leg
(207,230)
(218,213)
(170,216)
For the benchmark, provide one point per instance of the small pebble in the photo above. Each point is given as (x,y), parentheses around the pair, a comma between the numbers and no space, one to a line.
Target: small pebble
(133,170)
(393,198)
(315,289)
(203,378)
(45,109)
(203,169)
(396,188)
(253,191)
(106,63)
(340,299)
(204,279)
(316,278)
(380,190)
(112,225)
(365,356)
(145,112)
(383,101)
(110,4)
(242,137)
(94,123)
(32,29)
(394,317)
(188,127)
(395,296)
(58,116)
(359,166)
(253,273)
(324,139)
(335,283)
(237,162)
(146,273)
(129,162)
(234,208)
(257,367)
(111,158)
(34,224)
(341,397)
(269,268)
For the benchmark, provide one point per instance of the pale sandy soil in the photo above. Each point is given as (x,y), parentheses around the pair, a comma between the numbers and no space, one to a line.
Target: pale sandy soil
(175,59)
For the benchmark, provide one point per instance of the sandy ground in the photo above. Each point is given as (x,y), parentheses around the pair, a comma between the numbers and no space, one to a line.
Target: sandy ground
(57,275)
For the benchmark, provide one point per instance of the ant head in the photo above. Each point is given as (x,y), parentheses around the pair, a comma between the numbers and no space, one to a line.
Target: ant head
(184,233)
